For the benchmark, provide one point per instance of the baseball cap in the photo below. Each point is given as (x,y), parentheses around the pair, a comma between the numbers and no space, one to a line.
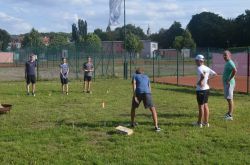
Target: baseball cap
(199,57)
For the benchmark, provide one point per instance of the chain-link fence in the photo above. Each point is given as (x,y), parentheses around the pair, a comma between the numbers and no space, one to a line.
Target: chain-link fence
(165,66)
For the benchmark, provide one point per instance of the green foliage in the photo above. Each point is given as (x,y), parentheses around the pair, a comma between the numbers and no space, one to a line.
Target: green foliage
(75,34)
(166,37)
(58,40)
(104,36)
(208,29)
(92,43)
(184,41)
(82,28)
(33,40)
(52,128)
(4,39)
(133,43)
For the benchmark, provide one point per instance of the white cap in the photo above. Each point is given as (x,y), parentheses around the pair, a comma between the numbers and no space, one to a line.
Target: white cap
(199,57)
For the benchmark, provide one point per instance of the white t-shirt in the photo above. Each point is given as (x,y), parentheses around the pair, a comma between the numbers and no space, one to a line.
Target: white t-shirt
(206,71)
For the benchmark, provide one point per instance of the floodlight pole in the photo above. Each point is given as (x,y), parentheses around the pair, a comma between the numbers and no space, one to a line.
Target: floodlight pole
(125,58)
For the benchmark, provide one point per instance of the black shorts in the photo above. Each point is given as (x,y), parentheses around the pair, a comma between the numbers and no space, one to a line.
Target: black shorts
(202,97)
(146,98)
(87,78)
(64,80)
(31,78)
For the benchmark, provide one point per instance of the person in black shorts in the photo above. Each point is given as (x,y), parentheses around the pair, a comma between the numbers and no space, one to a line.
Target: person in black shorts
(30,74)
(142,92)
(88,69)
(204,73)
(64,72)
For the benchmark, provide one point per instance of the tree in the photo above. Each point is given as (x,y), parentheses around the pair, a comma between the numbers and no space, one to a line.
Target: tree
(170,34)
(33,40)
(4,39)
(82,28)
(208,29)
(92,43)
(184,41)
(119,32)
(166,37)
(58,40)
(102,35)
(133,43)
(75,34)
(241,37)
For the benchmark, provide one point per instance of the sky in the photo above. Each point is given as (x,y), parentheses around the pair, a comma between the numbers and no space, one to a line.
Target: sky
(20,16)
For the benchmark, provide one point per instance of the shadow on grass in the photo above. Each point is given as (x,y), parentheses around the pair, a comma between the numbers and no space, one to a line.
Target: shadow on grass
(163,115)
(97,124)
(113,124)
(189,90)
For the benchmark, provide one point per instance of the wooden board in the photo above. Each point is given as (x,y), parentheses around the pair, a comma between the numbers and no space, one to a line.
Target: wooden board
(124,130)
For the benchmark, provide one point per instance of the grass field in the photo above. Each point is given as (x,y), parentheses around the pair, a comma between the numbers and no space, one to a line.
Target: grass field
(52,128)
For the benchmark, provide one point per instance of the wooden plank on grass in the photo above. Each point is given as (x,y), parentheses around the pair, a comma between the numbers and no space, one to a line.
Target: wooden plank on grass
(124,130)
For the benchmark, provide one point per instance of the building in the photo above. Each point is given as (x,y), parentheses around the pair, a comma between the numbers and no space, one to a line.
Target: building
(117,47)
(149,49)
(172,53)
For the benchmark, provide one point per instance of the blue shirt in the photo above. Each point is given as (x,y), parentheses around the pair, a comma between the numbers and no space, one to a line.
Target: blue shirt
(65,69)
(142,83)
(88,66)
(30,68)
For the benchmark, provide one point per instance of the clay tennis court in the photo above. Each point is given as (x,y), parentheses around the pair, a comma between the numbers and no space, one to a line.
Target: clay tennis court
(215,83)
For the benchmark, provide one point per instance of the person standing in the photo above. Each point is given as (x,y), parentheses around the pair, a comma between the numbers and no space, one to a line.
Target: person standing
(64,72)
(142,92)
(30,74)
(88,69)
(229,83)
(204,73)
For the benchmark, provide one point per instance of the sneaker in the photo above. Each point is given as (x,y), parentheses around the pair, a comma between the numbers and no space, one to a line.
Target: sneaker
(133,124)
(28,93)
(67,93)
(33,94)
(228,117)
(196,124)
(205,124)
(157,129)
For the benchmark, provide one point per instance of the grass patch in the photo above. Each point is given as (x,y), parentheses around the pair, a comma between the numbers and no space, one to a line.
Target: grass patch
(52,128)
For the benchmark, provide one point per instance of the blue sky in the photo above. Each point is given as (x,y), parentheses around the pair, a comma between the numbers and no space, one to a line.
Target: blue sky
(19,16)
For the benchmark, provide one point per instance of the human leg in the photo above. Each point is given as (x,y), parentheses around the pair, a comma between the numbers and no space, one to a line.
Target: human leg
(154,115)
(206,113)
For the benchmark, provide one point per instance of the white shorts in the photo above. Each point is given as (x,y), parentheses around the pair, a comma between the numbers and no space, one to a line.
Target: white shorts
(229,91)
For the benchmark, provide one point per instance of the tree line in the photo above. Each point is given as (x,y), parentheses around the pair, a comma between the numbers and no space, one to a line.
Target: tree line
(205,29)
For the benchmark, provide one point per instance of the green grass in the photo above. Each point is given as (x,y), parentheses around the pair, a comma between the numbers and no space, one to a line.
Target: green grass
(75,129)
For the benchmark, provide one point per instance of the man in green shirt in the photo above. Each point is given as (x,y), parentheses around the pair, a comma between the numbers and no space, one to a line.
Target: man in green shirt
(229,83)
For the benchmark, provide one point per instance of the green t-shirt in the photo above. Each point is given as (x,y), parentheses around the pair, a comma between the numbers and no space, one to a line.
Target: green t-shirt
(229,66)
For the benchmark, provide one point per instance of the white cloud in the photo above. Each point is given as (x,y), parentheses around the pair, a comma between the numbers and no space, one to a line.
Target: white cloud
(13,24)
(18,16)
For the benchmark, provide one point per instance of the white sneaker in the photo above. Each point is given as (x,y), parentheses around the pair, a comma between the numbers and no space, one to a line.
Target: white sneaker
(228,117)
(205,124)
(196,124)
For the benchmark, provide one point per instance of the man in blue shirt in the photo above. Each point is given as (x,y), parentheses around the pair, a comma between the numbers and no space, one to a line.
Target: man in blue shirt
(30,74)
(142,92)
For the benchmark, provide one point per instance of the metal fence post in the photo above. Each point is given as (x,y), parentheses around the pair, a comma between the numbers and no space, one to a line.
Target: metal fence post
(158,60)
(208,52)
(177,65)
(153,66)
(248,58)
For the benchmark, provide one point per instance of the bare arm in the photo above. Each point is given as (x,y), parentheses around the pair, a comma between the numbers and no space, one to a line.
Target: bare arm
(134,86)
(201,79)
(234,71)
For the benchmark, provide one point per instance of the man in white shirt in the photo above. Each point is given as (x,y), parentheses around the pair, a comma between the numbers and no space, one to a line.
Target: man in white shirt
(202,90)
